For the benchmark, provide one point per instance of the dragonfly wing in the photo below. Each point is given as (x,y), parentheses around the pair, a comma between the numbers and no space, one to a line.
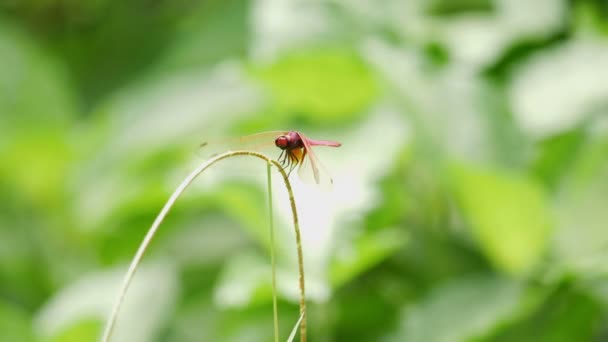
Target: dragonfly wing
(311,170)
(259,142)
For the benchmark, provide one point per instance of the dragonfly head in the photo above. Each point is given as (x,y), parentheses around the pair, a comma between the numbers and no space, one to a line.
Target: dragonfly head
(282,142)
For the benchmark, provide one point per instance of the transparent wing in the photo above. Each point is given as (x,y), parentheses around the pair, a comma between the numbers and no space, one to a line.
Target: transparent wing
(260,142)
(311,170)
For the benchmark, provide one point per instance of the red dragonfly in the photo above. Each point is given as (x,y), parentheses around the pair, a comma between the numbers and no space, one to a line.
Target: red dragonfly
(296,151)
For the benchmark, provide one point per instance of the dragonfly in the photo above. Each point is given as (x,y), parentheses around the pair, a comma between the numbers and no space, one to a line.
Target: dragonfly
(296,151)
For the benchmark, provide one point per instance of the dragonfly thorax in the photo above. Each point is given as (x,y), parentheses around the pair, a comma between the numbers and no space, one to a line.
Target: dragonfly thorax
(289,141)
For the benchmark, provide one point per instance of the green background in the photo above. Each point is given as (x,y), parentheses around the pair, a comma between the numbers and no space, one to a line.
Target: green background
(470,197)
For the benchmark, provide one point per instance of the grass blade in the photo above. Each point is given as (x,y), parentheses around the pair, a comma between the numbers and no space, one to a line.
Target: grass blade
(295,329)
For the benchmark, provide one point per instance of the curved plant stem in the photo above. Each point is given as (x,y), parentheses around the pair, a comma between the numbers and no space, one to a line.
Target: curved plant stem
(273,265)
(296,226)
(109,328)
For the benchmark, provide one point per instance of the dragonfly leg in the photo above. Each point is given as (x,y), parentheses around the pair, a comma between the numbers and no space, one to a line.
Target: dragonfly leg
(289,161)
(282,158)
(298,161)
(293,162)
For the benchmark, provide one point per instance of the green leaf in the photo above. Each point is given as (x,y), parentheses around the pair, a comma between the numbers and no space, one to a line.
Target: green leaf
(365,252)
(460,310)
(14,324)
(556,154)
(507,215)
(451,7)
(36,105)
(580,239)
(197,319)
(83,330)
(244,280)
(245,203)
(330,85)
(546,96)
(210,34)
(590,17)
(567,315)
(70,314)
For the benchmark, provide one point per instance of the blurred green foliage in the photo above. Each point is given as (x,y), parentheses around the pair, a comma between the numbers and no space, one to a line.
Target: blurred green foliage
(470,192)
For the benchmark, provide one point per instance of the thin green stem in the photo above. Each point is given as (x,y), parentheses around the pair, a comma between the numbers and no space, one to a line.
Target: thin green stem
(109,328)
(275,310)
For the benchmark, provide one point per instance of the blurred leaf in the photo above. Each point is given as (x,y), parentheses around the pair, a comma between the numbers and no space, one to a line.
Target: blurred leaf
(451,7)
(243,221)
(507,214)
(133,154)
(567,315)
(366,251)
(309,23)
(37,165)
(580,240)
(27,252)
(198,319)
(244,280)
(36,105)
(556,154)
(329,86)
(397,193)
(14,324)
(216,31)
(37,110)
(246,203)
(202,102)
(591,17)
(460,310)
(117,44)
(35,94)
(367,307)
(508,145)
(71,311)
(560,87)
(84,330)
(203,240)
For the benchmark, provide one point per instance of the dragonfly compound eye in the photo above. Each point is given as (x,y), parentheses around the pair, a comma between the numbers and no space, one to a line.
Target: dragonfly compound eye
(281,142)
